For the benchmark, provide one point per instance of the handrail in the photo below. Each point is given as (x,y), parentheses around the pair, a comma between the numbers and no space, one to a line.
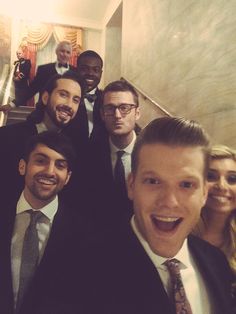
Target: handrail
(3,116)
(147,97)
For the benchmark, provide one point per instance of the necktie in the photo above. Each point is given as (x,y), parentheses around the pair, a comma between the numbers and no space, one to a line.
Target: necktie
(119,174)
(60,65)
(90,97)
(30,255)
(182,305)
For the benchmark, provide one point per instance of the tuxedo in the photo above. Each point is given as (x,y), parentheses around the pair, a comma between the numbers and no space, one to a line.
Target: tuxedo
(23,67)
(43,74)
(49,292)
(123,279)
(98,124)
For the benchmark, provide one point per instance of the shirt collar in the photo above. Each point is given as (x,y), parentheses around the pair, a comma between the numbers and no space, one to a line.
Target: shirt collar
(92,92)
(41,127)
(183,255)
(60,62)
(128,149)
(49,210)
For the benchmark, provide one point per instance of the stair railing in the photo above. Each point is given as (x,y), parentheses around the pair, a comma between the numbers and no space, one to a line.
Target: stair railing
(145,96)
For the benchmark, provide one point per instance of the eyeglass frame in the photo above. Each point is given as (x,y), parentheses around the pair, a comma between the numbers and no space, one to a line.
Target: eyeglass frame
(119,108)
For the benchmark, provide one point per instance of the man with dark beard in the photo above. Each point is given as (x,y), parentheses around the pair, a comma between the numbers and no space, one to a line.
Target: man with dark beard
(37,231)
(60,101)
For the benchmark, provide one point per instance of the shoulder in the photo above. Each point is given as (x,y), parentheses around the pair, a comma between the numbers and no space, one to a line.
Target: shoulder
(14,131)
(72,68)
(46,66)
(209,255)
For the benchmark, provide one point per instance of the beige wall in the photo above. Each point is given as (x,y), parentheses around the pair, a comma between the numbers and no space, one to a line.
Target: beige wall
(183,55)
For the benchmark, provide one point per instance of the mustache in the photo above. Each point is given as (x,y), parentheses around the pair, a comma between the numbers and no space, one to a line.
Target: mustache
(44,176)
(66,108)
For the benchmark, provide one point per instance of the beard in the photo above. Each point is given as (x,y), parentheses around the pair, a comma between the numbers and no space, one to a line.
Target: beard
(58,119)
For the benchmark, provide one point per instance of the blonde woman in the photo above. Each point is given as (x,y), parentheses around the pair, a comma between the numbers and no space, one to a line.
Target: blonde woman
(218,219)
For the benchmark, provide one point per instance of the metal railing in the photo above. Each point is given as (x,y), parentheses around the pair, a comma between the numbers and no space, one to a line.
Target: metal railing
(145,96)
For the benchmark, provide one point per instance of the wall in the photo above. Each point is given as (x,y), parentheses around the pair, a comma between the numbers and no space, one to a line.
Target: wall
(113,40)
(182,54)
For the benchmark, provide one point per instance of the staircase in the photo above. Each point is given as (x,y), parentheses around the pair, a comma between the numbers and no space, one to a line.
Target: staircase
(18,114)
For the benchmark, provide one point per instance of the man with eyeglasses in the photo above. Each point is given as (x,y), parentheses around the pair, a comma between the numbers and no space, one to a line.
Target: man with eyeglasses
(112,154)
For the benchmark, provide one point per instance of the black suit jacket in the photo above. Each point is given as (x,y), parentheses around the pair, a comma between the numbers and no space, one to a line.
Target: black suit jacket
(124,280)
(98,124)
(50,291)
(43,74)
(24,68)
(108,205)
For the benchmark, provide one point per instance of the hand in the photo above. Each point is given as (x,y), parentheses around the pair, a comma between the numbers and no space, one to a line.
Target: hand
(5,108)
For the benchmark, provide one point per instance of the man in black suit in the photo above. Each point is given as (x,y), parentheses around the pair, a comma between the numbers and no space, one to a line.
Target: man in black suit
(120,111)
(133,271)
(89,67)
(57,111)
(21,75)
(37,282)
(44,73)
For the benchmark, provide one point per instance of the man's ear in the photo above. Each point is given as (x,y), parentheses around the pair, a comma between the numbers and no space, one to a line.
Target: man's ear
(137,114)
(130,185)
(22,167)
(45,97)
(68,177)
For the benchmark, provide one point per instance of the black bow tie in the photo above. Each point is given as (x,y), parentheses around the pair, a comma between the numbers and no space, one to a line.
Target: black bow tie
(60,65)
(90,97)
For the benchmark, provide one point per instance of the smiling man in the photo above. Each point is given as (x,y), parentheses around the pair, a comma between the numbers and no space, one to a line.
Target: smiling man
(152,265)
(37,230)
(89,66)
(44,73)
(57,110)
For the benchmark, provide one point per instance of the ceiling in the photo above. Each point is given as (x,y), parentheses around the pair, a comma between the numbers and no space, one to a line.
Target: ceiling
(84,13)
(91,10)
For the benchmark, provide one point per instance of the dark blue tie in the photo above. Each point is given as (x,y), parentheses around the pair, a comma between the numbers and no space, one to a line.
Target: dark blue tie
(119,174)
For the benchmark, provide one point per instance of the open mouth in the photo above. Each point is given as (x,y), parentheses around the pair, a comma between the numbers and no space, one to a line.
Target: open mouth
(46,181)
(166,224)
(220,198)
(89,81)
(64,113)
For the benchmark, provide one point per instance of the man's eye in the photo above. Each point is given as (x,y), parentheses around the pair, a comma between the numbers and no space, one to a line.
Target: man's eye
(151,181)
(76,100)
(97,70)
(61,165)
(62,94)
(39,161)
(186,184)
(211,176)
(231,179)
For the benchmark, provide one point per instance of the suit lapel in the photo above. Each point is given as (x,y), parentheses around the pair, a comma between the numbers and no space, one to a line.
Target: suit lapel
(7,219)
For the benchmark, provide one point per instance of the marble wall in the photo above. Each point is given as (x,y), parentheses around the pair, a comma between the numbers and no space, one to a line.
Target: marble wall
(183,55)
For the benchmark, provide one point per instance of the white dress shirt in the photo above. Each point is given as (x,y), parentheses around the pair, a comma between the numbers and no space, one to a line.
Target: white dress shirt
(22,221)
(126,158)
(89,108)
(61,70)
(194,284)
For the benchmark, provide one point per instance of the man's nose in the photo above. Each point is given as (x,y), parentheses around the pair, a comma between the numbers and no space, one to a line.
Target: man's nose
(168,197)
(221,183)
(50,168)
(117,112)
